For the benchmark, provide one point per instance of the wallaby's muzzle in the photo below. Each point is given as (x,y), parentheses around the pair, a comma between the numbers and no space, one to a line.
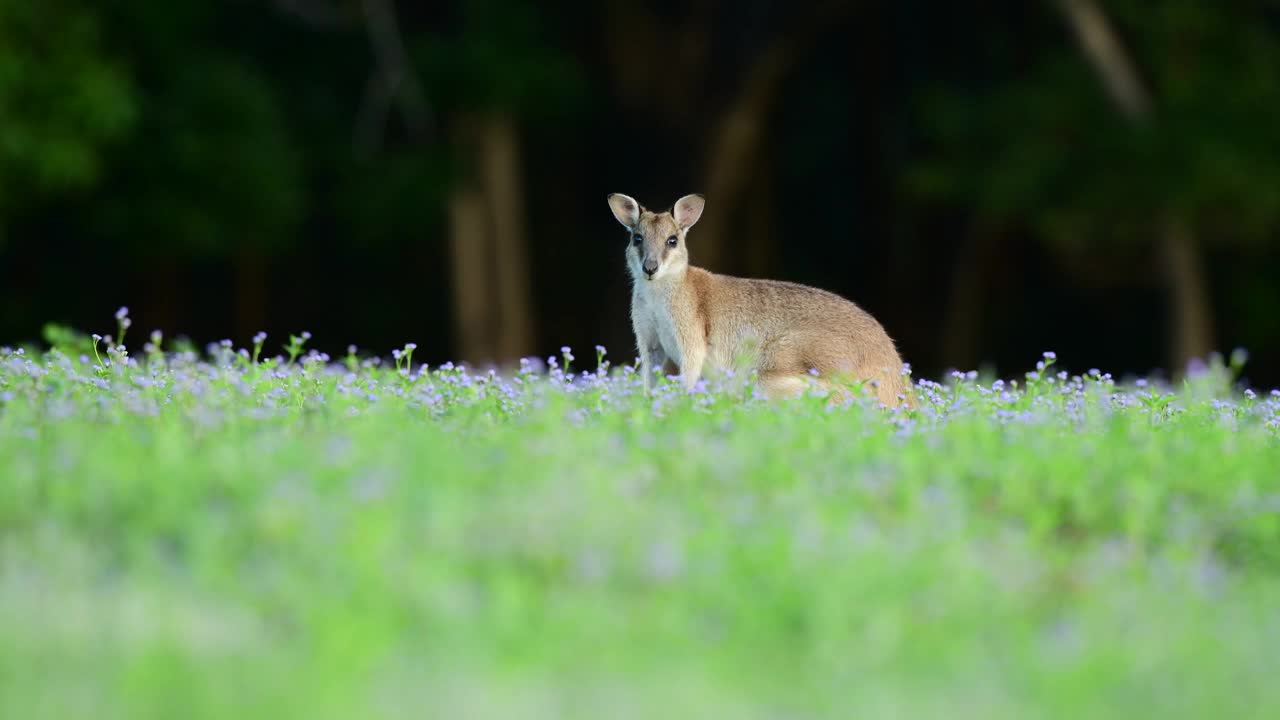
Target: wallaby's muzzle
(650,267)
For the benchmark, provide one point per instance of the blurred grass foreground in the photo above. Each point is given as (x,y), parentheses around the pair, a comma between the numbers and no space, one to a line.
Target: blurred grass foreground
(243,534)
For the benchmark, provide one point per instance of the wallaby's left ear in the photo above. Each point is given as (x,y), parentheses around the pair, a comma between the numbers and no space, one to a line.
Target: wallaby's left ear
(687,210)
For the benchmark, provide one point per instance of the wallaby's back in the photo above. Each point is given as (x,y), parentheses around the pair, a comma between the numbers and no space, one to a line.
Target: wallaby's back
(794,329)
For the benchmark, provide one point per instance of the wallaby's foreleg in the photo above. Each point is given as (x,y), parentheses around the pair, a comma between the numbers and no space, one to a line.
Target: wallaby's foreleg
(693,355)
(652,358)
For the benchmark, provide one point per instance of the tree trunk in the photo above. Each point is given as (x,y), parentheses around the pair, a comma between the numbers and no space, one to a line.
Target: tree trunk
(492,299)
(469,253)
(250,294)
(1190,313)
(738,136)
(1102,48)
(737,143)
(505,194)
(728,173)
(1190,318)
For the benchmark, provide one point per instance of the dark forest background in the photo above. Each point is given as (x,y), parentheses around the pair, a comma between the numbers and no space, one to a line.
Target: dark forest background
(990,179)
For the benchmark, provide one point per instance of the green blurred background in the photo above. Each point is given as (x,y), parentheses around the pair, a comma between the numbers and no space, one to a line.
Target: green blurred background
(993,179)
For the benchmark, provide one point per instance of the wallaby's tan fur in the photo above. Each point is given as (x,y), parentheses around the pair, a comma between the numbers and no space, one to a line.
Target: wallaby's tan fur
(700,320)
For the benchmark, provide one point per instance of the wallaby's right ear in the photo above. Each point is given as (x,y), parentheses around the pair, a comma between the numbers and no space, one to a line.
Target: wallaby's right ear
(625,208)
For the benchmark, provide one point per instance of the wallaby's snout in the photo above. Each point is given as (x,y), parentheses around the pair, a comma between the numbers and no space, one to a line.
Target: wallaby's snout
(650,266)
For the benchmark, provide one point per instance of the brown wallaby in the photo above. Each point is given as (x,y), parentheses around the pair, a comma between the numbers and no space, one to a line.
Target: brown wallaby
(790,334)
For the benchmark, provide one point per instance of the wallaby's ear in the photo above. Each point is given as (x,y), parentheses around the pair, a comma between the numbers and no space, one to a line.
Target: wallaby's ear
(687,210)
(625,208)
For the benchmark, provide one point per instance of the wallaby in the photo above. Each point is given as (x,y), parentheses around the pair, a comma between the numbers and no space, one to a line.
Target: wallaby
(790,334)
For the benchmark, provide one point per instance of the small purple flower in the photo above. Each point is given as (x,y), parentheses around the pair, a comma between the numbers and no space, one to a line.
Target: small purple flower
(1141,382)
(1196,368)
(122,313)
(260,338)
(1050,356)
(411,346)
(305,335)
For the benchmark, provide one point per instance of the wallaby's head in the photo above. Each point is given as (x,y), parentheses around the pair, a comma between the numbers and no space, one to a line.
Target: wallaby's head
(655,241)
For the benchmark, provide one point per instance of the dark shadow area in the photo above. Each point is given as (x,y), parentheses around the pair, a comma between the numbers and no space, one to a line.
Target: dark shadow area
(990,181)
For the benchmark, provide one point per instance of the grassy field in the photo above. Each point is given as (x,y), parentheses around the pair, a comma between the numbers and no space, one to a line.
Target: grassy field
(232,535)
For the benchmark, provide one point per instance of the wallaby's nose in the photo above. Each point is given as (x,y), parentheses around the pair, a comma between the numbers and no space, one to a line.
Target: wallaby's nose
(650,267)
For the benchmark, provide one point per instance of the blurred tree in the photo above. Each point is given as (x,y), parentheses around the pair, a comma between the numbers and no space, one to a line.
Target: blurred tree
(493,68)
(211,171)
(496,71)
(63,99)
(664,68)
(1189,150)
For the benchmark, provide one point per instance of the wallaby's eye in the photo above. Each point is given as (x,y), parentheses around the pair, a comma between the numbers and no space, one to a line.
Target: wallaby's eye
(637,239)
(672,241)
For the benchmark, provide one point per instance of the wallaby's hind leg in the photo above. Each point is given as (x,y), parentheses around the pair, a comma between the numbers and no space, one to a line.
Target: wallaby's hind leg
(889,386)
(783,385)
(883,386)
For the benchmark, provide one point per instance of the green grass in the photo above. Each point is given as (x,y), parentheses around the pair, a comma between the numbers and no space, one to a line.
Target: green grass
(223,539)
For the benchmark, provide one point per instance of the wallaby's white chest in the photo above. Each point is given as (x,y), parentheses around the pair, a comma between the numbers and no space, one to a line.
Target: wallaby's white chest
(653,312)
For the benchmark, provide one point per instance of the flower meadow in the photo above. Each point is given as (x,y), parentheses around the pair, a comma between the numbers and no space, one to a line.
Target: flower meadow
(272,532)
